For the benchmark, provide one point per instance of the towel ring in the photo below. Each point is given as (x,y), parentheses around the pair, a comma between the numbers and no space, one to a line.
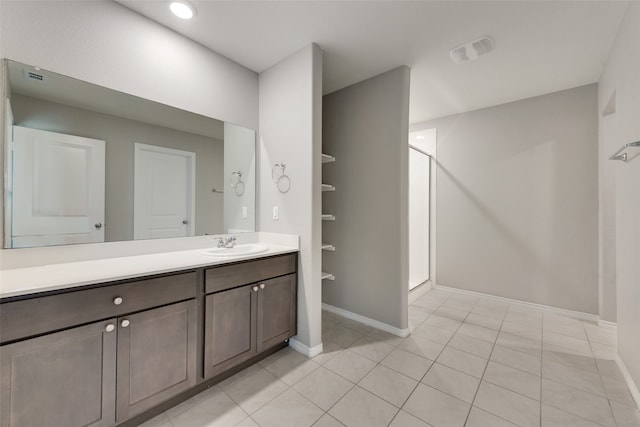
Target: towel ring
(238,178)
(282,180)
(239,188)
(277,174)
(283,183)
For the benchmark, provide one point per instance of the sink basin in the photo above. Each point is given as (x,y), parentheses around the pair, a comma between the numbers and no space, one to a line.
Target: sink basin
(248,249)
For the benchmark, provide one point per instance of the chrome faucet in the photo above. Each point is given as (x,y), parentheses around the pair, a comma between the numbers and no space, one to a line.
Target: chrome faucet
(228,242)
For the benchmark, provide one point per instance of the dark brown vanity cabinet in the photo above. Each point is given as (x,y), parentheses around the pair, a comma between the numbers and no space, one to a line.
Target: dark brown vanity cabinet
(251,307)
(106,371)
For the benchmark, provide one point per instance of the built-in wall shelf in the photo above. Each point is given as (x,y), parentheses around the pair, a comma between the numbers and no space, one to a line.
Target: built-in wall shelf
(328,217)
(328,187)
(328,276)
(328,247)
(327,158)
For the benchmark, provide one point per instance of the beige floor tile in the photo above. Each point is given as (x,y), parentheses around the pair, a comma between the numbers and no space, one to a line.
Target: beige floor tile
(554,417)
(183,406)
(471,345)
(459,304)
(507,404)
(577,402)
(618,391)
(437,408)
(218,410)
(566,341)
(525,312)
(521,330)
(328,421)
(573,377)
(479,332)
(389,385)
(456,383)
(371,349)
(476,318)
(404,419)
(407,363)
(443,322)
(601,335)
(605,352)
(329,351)
(240,375)
(573,330)
(255,390)
(323,388)
(422,347)
(356,326)
(451,313)
(289,409)
(513,379)
(247,422)
(385,337)
(419,313)
(462,361)
(291,366)
(625,416)
(362,408)
(519,343)
(497,315)
(609,369)
(516,359)
(341,335)
(432,333)
(161,420)
(570,358)
(350,365)
(480,418)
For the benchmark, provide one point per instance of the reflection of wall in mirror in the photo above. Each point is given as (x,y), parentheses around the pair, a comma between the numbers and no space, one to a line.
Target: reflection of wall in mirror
(239,155)
(120,135)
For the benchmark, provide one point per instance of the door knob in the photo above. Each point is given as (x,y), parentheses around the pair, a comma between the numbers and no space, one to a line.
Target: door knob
(98,225)
(125,323)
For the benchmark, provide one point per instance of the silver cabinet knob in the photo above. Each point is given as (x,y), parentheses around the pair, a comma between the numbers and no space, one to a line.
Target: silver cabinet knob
(255,289)
(110,327)
(125,323)
(261,285)
(117,300)
(98,225)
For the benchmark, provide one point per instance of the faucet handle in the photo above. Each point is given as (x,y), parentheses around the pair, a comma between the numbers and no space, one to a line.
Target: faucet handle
(221,242)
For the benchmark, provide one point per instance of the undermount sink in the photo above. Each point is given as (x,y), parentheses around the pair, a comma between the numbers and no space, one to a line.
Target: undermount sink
(247,249)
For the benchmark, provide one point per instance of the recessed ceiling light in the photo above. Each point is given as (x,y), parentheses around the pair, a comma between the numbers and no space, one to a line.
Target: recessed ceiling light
(182,9)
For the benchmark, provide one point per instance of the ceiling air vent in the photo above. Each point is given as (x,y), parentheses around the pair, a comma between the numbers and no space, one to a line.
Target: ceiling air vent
(31,75)
(471,50)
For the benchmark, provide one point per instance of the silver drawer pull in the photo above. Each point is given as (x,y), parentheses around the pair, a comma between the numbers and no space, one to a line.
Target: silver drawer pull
(110,327)
(125,323)
(261,285)
(117,300)
(98,225)
(255,289)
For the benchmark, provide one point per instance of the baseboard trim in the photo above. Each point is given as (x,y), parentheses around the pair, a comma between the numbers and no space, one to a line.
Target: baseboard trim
(367,321)
(305,349)
(607,324)
(569,313)
(633,388)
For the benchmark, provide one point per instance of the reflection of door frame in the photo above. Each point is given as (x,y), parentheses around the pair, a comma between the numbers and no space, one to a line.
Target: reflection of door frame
(429,225)
(190,180)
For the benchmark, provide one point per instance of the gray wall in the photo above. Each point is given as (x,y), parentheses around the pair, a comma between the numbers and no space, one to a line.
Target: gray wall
(621,78)
(517,207)
(365,126)
(120,135)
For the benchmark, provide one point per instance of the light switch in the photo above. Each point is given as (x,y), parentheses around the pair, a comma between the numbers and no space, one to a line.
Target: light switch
(275,213)
(244,212)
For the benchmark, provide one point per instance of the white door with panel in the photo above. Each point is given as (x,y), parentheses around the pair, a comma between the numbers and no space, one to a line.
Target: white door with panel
(164,192)
(57,188)
(419,173)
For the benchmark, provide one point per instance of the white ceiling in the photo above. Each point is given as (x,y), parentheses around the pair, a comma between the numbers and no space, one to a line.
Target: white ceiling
(540,46)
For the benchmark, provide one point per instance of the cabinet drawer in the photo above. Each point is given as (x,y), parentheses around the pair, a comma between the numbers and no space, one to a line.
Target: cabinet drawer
(39,315)
(230,276)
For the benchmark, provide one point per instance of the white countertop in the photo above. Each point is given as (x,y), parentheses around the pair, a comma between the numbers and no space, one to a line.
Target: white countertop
(23,281)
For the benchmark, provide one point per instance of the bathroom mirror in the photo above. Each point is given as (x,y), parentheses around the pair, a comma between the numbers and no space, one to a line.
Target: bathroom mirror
(88,164)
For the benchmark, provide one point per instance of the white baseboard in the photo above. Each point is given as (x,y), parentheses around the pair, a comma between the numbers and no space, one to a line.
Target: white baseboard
(367,321)
(569,313)
(305,349)
(633,388)
(607,324)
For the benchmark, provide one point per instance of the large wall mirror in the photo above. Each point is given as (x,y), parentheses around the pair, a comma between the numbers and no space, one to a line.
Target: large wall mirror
(88,164)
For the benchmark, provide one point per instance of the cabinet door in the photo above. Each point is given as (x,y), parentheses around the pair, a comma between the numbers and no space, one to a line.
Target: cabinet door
(276,311)
(65,379)
(230,328)
(156,356)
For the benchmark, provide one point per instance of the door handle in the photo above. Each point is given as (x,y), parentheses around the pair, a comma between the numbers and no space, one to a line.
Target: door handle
(185,222)
(98,225)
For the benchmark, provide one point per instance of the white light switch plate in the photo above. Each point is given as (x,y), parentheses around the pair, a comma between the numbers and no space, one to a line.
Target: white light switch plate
(244,212)
(275,213)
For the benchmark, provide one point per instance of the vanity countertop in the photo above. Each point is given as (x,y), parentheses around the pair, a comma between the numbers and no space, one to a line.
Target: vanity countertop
(30,280)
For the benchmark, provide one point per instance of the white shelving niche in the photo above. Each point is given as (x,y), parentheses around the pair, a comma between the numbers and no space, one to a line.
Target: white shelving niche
(326,158)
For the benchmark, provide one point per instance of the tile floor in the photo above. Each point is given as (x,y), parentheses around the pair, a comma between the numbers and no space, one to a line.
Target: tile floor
(469,362)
